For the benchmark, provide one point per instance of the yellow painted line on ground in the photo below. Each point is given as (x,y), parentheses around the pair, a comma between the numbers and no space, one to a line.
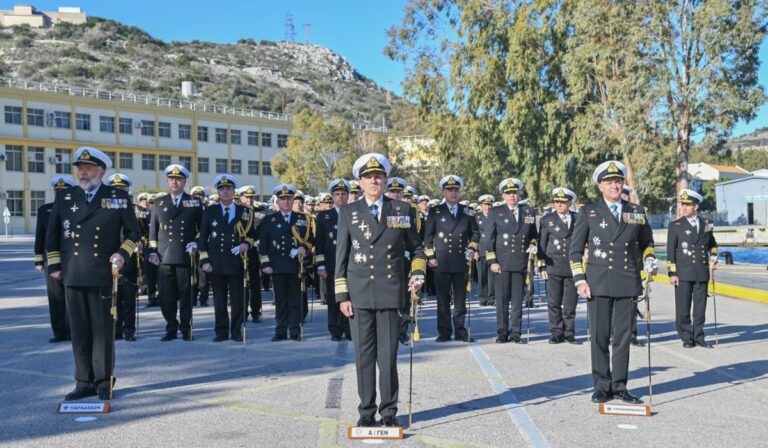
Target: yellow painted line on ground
(737,292)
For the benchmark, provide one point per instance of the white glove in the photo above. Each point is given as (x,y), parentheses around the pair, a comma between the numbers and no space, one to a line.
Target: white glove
(713,259)
(407,254)
(531,249)
(651,264)
(417,280)
(294,253)
(236,250)
(191,248)
(468,254)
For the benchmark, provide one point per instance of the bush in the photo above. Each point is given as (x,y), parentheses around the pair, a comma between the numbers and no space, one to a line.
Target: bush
(75,53)
(64,30)
(23,42)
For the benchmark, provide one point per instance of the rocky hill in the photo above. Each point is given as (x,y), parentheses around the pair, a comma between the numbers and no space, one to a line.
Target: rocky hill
(271,76)
(757,139)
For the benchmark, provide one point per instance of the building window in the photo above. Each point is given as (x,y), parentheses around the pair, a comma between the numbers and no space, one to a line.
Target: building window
(202,133)
(282,140)
(236,166)
(235,137)
(266,139)
(83,122)
(202,164)
(15,202)
(12,115)
(112,156)
(126,161)
(36,159)
(107,124)
(253,167)
(148,128)
(34,117)
(126,125)
(221,166)
(221,135)
(165,160)
(36,200)
(253,138)
(148,162)
(185,132)
(266,168)
(13,160)
(186,162)
(164,129)
(63,161)
(62,120)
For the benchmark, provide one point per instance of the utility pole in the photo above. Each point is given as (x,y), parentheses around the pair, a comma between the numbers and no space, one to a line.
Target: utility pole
(290,29)
(306,33)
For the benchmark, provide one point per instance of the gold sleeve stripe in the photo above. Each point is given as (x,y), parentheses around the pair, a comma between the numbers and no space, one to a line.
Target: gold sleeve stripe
(153,244)
(264,258)
(577,268)
(54,257)
(249,241)
(714,251)
(38,257)
(419,264)
(649,252)
(320,258)
(473,245)
(128,246)
(534,242)
(203,255)
(672,267)
(490,255)
(429,252)
(340,285)
(541,263)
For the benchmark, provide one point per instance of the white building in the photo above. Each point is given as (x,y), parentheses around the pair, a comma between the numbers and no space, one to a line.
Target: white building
(43,124)
(29,15)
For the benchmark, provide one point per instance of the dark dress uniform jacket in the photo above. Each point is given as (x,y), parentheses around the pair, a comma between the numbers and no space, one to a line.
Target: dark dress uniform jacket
(482,228)
(370,255)
(688,250)
(614,249)
(447,238)
(218,237)
(507,239)
(43,215)
(326,232)
(172,228)
(84,235)
(555,243)
(276,240)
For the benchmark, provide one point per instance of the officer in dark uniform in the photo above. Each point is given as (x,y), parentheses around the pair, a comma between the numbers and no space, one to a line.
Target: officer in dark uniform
(285,237)
(125,324)
(554,245)
(691,249)
(326,226)
(485,283)
(150,270)
(626,191)
(609,236)
(92,230)
(226,232)
(57,305)
(450,242)
(373,236)
(510,237)
(247,199)
(354,191)
(203,285)
(395,188)
(410,195)
(172,232)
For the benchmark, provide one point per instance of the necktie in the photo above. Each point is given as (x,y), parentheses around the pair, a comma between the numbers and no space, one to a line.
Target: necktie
(453,211)
(226,213)
(88,196)
(615,211)
(375,211)
(566,219)
(694,224)
(286,217)
(176,201)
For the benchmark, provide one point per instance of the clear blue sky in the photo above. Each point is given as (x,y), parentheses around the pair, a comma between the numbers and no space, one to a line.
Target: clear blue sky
(354,29)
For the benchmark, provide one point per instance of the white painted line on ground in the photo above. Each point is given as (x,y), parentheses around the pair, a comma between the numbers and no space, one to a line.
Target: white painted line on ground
(525,425)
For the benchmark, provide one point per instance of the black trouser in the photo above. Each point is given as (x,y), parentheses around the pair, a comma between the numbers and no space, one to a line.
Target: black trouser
(266,281)
(375,337)
(429,282)
(338,323)
(57,306)
(405,310)
(509,291)
(288,300)
(685,294)
(151,279)
(605,312)
(203,287)
(126,306)
(174,286)
(484,285)
(254,293)
(228,287)
(92,327)
(451,286)
(561,303)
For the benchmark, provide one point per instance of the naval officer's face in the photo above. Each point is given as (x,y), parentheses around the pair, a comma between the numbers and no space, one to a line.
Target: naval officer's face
(373,184)
(562,206)
(611,188)
(284,204)
(226,194)
(689,210)
(89,175)
(176,185)
(451,195)
(511,198)
(339,197)
(485,208)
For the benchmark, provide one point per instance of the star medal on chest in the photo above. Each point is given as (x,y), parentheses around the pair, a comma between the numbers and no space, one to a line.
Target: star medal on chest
(442,219)
(603,224)
(687,232)
(214,223)
(557,229)
(74,208)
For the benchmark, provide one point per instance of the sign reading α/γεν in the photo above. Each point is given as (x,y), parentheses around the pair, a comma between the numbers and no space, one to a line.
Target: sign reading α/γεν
(374,432)
(625,409)
(83,408)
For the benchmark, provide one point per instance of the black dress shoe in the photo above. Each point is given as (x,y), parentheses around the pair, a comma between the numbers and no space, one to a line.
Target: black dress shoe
(556,340)
(502,339)
(516,339)
(689,344)
(278,338)
(219,338)
(365,421)
(404,339)
(295,337)
(256,318)
(335,338)
(348,337)
(80,392)
(56,339)
(442,339)
(572,340)
(600,396)
(130,337)
(391,421)
(103,390)
(627,397)
(636,342)
(237,338)
(465,338)
(169,337)
(704,344)
(186,336)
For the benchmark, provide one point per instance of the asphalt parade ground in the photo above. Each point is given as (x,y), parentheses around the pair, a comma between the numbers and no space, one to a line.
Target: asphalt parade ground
(304,394)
